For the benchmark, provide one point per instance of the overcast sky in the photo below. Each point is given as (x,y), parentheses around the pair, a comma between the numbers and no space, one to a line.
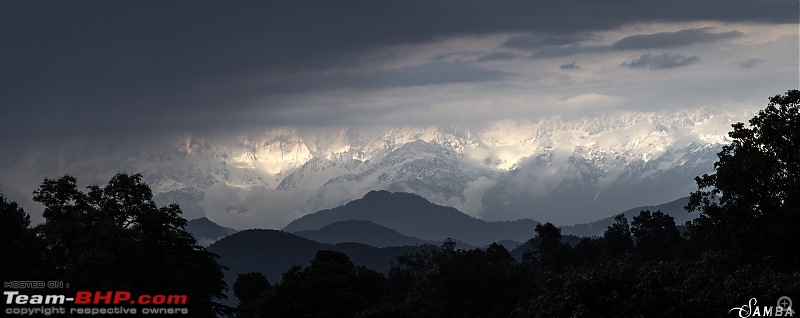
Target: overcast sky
(134,68)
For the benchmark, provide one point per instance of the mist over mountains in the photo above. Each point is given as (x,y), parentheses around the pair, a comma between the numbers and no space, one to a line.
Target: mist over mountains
(360,231)
(559,169)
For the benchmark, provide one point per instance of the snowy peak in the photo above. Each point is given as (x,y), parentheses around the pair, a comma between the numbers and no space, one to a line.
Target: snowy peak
(560,169)
(501,146)
(626,135)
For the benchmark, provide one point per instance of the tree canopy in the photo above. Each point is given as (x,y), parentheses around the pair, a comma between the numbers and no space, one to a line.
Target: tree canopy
(332,286)
(750,206)
(115,237)
(20,250)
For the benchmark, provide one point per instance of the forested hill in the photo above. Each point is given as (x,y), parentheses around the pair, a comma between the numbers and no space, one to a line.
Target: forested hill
(359,231)
(674,209)
(405,212)
(272,252)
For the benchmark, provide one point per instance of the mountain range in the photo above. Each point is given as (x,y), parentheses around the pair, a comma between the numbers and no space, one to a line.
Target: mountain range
(561,169)
(366,230)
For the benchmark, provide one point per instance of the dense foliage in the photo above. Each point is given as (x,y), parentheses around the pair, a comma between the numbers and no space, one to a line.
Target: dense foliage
(332,286)
(750,208)
(112,238)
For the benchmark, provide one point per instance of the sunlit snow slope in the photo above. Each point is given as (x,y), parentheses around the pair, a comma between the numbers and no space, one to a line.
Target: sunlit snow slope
(561,169)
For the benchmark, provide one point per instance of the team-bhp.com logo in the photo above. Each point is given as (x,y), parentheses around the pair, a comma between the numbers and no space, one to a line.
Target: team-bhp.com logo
(92,303)
(782,309)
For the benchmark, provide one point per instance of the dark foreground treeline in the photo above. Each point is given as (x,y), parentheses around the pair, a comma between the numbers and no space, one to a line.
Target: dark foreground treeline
(648,269)
(745,244)
(111,238)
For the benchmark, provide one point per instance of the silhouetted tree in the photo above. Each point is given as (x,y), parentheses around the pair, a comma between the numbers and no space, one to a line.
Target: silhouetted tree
(248,287)
(116,238)
(589,251)
(617,237)
(630,287)
(657,237)
(449,246)
(332,286)
(459,283)
(548,252)
(408,271)
(19,246)
(386,311)
(750,207)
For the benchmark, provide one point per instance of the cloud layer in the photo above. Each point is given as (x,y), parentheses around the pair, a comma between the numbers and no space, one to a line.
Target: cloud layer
(99,67)
(661,61)
(119,73)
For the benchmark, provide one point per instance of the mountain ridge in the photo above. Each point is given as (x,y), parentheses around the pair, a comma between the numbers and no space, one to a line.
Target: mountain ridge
(673,208)
(206,231)
(405,212)
(560,169)
(408,214)
(273,252)
(359,231)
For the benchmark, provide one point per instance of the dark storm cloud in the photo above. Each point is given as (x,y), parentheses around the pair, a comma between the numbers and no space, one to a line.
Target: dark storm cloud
(498,56)
(433,73)
(749,63)
(672,39)
(570,66)
(538,41)
(135,67)
(661,40)
(567,50)
(661,61)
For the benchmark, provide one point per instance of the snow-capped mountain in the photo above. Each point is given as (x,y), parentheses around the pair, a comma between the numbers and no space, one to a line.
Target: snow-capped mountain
(561,169)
